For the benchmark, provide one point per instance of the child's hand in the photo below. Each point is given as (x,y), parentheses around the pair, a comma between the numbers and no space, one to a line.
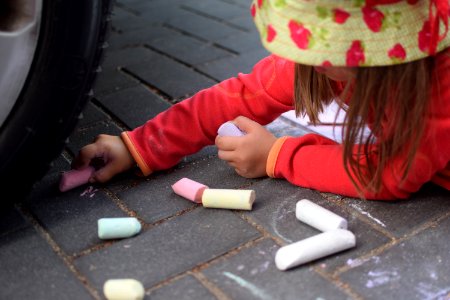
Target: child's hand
(247,154)
(112,153)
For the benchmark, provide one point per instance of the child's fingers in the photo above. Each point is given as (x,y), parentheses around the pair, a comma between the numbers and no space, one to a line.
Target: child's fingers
(85,156)
(107,172)
(227,156)
(227,143)
(245,124)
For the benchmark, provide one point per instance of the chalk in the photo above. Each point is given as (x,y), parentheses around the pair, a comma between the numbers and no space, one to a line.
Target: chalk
(116,228)
(74,178)
(229,129)
(123,289)
(189,189)
(313,248)
(318,217)
(228,198)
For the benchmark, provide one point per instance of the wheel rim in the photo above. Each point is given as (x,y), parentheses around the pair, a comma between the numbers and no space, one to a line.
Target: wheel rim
(19,31)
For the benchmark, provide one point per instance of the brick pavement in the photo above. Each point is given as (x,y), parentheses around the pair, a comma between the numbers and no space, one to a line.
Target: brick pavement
(160,52)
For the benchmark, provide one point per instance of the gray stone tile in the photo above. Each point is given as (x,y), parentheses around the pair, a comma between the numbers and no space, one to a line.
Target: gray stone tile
(402,217)
(186,288)
(134,106)
(154,199)
(80,138)
(274,210)
(172,78)
(252,274)
(91,114)
(242,42)
(71,217)
(225,68)
(30,269)
(216,9)
(188,49)
(126,57)
(112,80)
(137,37)
(203,27)
(417,268)
(11,220)
(170,248)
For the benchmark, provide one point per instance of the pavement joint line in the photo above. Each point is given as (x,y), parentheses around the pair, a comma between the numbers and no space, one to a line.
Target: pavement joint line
(261,229)
(126,8)
(147,85)
(219,20)
(210,286)
(180,62)
(112,118)
(345,287)
(58,251)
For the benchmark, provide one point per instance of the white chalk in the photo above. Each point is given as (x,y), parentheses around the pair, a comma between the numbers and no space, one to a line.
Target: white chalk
(123,289)
(189,189)
(318,217)
(313,248)
(116,228)
(229,129)
(228,198)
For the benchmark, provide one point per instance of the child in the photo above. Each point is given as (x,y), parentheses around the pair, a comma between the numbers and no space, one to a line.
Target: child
(387,62)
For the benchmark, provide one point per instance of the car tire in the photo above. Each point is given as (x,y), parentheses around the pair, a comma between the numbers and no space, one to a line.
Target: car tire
(72,36)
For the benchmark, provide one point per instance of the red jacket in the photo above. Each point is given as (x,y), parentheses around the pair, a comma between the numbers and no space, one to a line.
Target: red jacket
(310,161)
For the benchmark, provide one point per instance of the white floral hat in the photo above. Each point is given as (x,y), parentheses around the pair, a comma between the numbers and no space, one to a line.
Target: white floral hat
(352,32)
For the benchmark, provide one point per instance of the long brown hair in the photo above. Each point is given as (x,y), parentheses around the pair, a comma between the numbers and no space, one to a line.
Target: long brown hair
(392,99)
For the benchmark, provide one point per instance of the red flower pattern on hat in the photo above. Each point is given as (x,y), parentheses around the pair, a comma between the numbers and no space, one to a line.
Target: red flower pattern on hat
(299,34)
(253,10)
(373,18)
(327,63)
(340,15)
(355,54)
(397,52)
(424,37)
(260,3)
(271,33)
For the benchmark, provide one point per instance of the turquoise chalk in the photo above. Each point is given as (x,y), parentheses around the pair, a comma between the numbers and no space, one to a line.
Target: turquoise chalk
(116,228)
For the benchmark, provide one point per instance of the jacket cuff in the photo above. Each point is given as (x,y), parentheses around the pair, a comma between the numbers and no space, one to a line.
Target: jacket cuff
(273,156)
(145,169)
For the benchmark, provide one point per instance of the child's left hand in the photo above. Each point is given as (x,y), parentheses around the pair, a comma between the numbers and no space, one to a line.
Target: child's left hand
(247,154)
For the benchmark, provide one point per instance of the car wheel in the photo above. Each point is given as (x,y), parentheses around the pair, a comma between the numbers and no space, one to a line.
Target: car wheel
(49,53)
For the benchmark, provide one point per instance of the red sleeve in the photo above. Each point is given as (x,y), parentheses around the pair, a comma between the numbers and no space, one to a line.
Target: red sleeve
(188,126)
(316,162)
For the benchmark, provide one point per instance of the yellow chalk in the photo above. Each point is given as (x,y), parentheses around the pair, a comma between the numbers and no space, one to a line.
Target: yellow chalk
(228,198)
(122,289)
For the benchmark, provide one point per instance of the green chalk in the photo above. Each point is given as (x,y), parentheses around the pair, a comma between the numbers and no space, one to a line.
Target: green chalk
(116,228)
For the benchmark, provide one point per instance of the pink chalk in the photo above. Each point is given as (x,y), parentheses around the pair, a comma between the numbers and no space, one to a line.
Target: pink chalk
(189,189)
(74,178)
(229,129)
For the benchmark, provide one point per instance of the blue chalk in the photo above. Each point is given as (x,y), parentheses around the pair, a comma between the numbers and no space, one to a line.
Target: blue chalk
(116,228)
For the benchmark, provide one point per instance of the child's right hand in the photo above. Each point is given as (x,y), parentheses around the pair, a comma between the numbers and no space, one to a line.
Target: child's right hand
(111,151)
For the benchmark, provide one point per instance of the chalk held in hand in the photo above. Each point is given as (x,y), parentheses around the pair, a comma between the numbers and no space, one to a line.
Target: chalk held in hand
(313,248)
(318,217)
(116,228)
(123,289)
(229,129)
(228,198)
(74,178)
(189,189)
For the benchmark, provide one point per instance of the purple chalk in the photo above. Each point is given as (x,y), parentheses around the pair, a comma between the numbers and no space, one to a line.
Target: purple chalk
(74,178)
(229,129)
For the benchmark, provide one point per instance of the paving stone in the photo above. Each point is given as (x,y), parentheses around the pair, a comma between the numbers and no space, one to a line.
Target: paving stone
(225,68)
(216,9)
(91,114)
(11,220)
(80,138)
(417,268)
(128,56)
(274,209)
(134,106)
(152,13)
(245,21)
(403,217)
(242,42)
(137,37)
(186,288)
(71,217)
(203,27)
(112,80)
(154,199)
(172,78)
(187,49)
(30,269)
(252,274)
(170,248)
